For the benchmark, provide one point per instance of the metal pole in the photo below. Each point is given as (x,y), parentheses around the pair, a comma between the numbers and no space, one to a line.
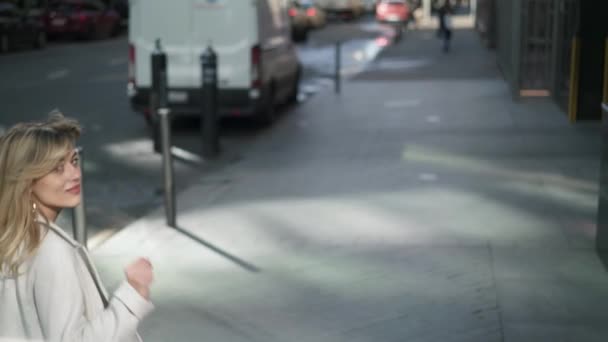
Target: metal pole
(169,184)
(158,64)
(164,118)
(209,119)
(338,67)
(79,223)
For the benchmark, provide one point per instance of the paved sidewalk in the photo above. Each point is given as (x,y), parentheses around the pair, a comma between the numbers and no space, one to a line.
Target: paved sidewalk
(409,208)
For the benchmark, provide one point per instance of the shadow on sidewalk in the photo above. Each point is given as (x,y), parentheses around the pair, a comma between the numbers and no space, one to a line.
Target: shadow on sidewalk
(236,260)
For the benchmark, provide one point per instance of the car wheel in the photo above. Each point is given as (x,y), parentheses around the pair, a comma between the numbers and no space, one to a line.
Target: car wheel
(4,44)
(41,40)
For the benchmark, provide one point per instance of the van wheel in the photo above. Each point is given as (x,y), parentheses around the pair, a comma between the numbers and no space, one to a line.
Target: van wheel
(4,43)
(295,90)
(269,113)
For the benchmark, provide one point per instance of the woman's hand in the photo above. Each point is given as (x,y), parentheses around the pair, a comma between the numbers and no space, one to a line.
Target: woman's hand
(139,275)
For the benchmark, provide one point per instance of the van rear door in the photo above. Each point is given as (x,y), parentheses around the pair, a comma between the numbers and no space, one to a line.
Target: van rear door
(186,28)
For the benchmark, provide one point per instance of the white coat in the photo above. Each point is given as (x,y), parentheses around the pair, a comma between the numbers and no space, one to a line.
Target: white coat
(59,297)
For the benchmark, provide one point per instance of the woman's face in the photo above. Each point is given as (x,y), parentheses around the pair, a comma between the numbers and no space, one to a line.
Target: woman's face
(60,188)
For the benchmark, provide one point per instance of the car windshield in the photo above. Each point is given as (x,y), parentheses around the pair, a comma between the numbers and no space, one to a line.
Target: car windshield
(5,6)
(306,4)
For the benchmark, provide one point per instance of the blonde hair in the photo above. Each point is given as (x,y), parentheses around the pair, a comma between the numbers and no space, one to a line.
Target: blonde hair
(28,151)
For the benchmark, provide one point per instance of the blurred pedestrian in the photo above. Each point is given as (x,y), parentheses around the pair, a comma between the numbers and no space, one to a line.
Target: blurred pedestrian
(49,288)
(444,11)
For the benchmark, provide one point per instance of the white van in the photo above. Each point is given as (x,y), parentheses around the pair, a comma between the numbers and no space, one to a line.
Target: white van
(342,8)
(257,63)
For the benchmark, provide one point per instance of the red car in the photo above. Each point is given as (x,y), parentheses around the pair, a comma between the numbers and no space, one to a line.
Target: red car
(89,19)
(396,11)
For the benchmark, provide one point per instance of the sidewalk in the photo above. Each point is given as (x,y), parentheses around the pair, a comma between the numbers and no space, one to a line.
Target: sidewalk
(413,207)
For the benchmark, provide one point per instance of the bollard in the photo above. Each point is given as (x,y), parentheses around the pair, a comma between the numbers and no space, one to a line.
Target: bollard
(169,184)
(398,27)
(158,91)
(79,223)
(209,115)
(338,66)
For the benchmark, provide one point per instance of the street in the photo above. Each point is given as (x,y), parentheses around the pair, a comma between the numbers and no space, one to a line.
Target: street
(421,203)
(122,176)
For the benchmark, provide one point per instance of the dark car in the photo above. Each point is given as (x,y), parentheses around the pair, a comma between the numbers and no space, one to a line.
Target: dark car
(122,7)
(19,26)
(298,21)
(90,19)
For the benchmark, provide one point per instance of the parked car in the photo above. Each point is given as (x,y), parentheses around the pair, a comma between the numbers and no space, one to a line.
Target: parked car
(19,26)
(90,19)
(370,5)
(298,21)
(258,68)
(122,7)
(343,9)
(315,14)
(393,11)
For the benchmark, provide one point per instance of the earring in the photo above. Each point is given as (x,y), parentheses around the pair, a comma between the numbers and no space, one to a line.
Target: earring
(34,207)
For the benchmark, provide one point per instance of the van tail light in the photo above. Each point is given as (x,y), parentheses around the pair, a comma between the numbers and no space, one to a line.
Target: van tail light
(81,17)
(256,67)
(132,64)
(292,12)
(311,12)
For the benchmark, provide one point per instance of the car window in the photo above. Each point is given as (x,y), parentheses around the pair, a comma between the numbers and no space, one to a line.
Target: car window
(90,7)
(7,10)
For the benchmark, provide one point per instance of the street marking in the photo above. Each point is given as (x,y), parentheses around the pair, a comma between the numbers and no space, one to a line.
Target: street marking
(401,104)
(57,74)
(433,119)
(118,61)
(111,77)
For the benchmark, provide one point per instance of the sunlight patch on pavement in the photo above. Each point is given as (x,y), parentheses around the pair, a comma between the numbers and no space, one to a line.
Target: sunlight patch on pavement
(141,151)
(465,163)
(401,63)
(430,215)
(579,199)
(99,238)
(186,155)
(428,177)
(131,148)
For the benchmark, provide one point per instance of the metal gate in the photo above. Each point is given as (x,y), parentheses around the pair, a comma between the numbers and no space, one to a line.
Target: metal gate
(537,47)
(568,19)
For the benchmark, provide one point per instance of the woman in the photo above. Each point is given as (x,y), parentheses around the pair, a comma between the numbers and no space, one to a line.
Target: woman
(445,23)
(49,289)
